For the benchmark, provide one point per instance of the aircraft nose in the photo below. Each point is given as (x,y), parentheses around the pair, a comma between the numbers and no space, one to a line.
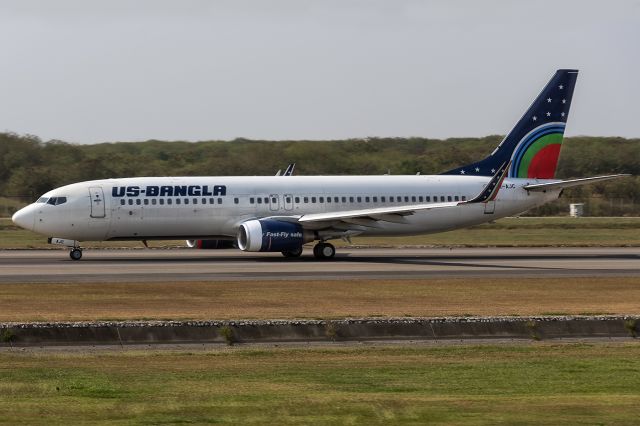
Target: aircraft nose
(24,218)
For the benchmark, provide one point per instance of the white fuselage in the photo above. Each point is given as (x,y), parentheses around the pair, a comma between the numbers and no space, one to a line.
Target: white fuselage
(214,207)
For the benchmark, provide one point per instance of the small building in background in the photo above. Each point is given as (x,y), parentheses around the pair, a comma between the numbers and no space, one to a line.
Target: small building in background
(576,209)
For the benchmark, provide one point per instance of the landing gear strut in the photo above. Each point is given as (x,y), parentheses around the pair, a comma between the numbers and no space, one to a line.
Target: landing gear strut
(75,254)
(324,250)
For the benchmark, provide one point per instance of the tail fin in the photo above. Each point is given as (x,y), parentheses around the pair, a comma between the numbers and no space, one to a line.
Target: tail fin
(533,145)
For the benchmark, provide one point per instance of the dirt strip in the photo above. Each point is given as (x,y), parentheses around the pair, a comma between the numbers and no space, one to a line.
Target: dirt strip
(318,299)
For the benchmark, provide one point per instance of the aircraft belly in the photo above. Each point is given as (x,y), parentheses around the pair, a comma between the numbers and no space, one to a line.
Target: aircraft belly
(164,222)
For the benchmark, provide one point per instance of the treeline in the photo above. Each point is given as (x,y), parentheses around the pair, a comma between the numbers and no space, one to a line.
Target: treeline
(30,167)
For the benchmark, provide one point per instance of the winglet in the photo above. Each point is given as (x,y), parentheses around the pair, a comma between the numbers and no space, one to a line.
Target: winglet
(490,192)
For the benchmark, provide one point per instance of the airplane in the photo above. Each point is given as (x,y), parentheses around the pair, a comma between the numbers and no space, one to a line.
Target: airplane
(271,214)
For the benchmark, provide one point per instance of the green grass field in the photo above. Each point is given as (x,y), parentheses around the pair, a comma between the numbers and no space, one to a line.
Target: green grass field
(488,384)
(552,231)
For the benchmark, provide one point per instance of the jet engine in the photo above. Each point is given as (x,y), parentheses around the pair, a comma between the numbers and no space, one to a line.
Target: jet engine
(272,235)
(211,244)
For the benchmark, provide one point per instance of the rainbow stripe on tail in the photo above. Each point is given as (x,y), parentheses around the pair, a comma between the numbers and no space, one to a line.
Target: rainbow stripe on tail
(533,145)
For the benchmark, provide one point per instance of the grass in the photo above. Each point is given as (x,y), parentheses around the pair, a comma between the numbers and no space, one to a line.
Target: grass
(318,299)
(468,385)
(552,231)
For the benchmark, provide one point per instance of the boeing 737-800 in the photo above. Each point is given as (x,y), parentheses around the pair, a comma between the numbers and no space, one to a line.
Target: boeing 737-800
(272,214)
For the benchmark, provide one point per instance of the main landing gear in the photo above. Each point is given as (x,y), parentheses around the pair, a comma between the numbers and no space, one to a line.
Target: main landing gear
(321,251)
(324,251)
(75,253)
(293,253)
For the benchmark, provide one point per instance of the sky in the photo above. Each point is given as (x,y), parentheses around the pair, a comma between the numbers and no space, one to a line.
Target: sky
(98,71)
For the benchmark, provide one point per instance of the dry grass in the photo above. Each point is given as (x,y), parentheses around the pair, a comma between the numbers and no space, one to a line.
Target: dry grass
(318,299)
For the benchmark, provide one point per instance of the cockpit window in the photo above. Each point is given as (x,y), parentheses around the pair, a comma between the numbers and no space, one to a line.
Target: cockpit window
(56,201)
(42,200)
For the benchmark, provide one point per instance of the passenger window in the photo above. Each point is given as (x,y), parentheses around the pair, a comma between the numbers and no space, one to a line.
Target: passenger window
(266,200)
(138,202)
(442,198)
(428,199)
(456,198)
(186,201)
(413,199)
(344,199)
(146,201)
(449,198)
(306,199)
(274,200)
(328,199)
(391,199)
(288,199)
(321,200)
(351,199)
(406,199)
(366,199)
(464,198)
(236,200)
(162,201)
(375,199)
(204,201)
(130,201)
(259,200)
(170,201)
(154,201)
(219,200)
(359,199)
(177,200)
(336,199)
(383,199)
(195,201)
(313,199)
(251,200)
(420,198)
(297,200)
(122,202)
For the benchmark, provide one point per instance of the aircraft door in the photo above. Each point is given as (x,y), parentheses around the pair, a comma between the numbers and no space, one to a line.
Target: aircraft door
(288,201)
(97,202)
(490,207)
(274,202)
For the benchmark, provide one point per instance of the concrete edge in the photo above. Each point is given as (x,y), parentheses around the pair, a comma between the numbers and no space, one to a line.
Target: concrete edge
(14,334)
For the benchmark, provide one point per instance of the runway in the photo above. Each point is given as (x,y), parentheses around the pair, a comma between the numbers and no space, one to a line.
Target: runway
(203,265)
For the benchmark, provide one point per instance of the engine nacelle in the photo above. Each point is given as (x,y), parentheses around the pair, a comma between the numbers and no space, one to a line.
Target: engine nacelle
(211,244)
(272,235)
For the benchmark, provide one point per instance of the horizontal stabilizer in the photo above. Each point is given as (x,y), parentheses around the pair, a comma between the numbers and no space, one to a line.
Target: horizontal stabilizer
(571,182)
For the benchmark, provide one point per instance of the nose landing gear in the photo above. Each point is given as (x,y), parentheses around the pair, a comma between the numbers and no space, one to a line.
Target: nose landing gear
(323,251)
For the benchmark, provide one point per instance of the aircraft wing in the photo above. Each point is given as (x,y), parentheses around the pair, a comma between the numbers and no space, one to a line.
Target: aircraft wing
(396,214)
(571,182)
(390,214)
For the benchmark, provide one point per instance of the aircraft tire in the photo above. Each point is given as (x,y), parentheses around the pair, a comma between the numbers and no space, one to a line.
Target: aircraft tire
(75,254)
(324,251)
(292,253)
